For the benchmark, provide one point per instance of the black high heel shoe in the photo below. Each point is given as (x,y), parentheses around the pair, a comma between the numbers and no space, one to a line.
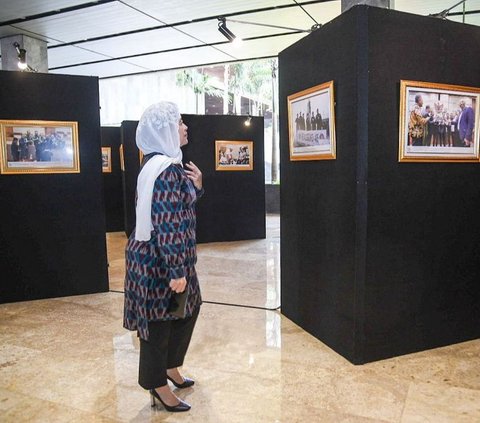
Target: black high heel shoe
(186,382)
(181,406)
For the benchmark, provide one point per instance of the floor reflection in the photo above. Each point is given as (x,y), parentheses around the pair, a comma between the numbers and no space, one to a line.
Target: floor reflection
(70,360)
(244,272)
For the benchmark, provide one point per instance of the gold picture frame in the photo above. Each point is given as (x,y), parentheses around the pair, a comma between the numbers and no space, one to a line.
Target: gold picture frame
(434,126)
(122,158)
(311,123)
(38,146)
(106,159)
(233,155)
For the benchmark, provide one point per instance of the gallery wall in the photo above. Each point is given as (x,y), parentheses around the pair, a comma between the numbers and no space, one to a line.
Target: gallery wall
(423,259)
(233,207)
(112,181)
(318,198)
(378,257)
(53,225)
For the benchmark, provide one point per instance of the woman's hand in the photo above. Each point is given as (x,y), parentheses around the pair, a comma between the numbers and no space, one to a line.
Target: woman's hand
(178,285)
(194,174)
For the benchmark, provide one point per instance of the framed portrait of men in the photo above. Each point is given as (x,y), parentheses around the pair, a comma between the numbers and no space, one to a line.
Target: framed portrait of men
(35,146)
(438,122)
(311,119)
(106,160)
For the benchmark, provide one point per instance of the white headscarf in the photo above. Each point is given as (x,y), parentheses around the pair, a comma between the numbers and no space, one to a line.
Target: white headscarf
(157,132)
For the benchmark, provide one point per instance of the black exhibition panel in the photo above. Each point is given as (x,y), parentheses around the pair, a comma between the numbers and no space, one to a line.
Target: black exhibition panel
(318,198)
(423,260)
(112,182)
(131,163)
(379,258)
(233,207)
(53,225)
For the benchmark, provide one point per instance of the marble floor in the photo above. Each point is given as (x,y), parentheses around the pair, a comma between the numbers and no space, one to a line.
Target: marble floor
(70,360)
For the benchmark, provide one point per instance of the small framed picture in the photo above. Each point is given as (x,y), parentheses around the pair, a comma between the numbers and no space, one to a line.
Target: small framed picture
(106,159)
(438,122)
(122,158)
(35,146)
(233,155)
(311,120)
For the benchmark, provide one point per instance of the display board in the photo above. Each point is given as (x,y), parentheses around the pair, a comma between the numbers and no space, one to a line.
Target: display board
(378,257)
(53,225)
(233,207)
(112,181)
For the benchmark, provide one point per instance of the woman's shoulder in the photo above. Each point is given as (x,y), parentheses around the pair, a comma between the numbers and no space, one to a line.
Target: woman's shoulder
(171,173)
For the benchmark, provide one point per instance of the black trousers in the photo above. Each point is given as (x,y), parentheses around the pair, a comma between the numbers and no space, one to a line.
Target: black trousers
(165,349)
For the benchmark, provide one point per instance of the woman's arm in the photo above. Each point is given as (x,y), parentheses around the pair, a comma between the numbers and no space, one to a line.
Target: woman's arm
(168,223)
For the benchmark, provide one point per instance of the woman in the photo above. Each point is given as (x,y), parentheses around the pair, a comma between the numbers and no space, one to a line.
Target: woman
(161,254)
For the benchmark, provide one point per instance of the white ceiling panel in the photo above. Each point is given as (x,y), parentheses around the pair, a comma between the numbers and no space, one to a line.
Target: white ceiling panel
(121,16)
(15,9)
(69,55)
(179,10)
(109,18)
(180,59)
(101,70)
(161,39)
(427,7)
(262,48)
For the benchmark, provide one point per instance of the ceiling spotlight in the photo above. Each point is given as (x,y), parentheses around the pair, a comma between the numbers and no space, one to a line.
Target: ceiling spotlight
(222,27)
(248,121)
(22,56)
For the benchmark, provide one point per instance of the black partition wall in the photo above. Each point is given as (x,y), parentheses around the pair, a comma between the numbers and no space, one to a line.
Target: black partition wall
(53,225)
(233,207)
(112,182)
(379,258)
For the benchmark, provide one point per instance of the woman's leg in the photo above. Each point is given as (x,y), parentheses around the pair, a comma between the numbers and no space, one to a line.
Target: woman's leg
(180,336)
(152,369)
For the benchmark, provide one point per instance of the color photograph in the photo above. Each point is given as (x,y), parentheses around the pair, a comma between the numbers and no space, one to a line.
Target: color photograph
(438,122)
(38,147)
(234,155)
(106,160)
(311,121)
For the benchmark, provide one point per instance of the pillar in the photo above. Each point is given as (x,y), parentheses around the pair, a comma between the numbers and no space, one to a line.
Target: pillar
(37,56)
(386,4)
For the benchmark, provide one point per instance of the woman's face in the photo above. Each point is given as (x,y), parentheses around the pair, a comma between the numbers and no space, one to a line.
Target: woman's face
(182,133)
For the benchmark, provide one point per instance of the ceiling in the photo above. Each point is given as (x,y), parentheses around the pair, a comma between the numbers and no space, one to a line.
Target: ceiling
(108,38)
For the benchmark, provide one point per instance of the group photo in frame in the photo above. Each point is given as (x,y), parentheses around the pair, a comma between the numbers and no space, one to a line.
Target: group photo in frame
(234,155)
(106,159)
(311,123)
(438,122)
(34,146)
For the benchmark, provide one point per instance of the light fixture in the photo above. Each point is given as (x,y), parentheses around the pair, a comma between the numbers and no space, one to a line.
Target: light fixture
(248,121)
(22,56)
(222,27)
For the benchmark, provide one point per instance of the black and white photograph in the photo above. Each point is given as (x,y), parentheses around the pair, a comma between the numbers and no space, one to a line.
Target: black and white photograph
(312,123)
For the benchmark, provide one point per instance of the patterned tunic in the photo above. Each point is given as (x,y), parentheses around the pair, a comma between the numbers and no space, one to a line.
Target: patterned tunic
(170,254)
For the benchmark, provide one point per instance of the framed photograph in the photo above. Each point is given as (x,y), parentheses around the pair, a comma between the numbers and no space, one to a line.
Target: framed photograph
(106,159)
(36,146)
(122,158)
(438,122)
(311,121)
(233,155)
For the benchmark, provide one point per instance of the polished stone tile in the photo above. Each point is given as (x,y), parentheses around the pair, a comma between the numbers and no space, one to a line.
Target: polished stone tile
(244,272)
(70,360)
